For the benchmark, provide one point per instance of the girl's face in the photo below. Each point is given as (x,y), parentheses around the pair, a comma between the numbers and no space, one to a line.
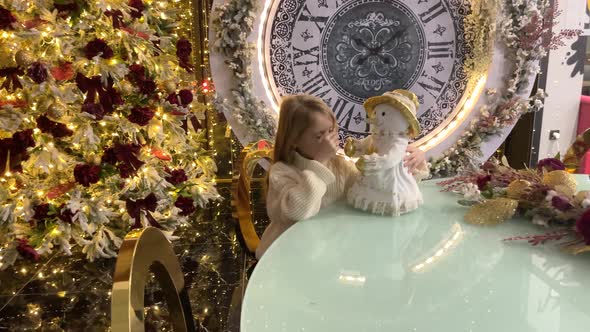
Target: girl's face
(390,119)
(320,125)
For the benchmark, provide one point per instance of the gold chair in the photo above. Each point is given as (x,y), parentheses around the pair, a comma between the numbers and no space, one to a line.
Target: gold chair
(142,249)
(250,156)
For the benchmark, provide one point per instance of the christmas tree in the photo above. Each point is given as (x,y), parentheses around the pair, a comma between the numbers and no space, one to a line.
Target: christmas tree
(94,138)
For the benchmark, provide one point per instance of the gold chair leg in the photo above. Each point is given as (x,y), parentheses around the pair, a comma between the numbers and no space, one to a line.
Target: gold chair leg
(142,249)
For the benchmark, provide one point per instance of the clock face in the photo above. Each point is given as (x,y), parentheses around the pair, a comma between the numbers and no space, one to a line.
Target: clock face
(347,51)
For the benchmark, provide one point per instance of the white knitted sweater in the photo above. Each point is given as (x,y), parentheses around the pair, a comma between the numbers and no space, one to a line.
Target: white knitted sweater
(297,192)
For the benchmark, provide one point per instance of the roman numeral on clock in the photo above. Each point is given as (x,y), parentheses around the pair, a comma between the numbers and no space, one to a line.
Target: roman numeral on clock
(313,53)
(432,12)
(440,49)
(319,21)
(317,86)
(431,84)
(344,112)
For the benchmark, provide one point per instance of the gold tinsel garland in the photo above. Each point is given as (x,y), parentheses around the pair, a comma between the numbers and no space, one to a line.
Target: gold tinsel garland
(480,30)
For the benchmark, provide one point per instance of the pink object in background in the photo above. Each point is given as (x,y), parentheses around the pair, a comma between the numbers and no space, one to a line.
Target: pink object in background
(584,114)
(583,124)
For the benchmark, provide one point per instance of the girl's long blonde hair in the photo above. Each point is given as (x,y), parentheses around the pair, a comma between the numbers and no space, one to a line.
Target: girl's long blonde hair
(294,118)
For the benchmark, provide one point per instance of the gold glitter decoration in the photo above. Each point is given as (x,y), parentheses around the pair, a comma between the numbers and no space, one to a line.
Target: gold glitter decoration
(577,249)
(563,182)
(492,212)
(576,151)
(480,29)
(516,188)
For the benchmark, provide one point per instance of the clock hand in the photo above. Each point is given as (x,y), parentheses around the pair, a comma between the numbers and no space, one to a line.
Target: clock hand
(397,34)
(361,42)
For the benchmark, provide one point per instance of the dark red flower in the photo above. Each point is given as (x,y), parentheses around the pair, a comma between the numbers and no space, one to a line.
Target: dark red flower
(13,150)
(56,129)
(87,174)
(141,115)
(109,156)
(111,97)
(26,251)
(37,72)
(116,16)
(137,72)
(147,87)
(183,47)
(186,205)
(94,109)
(61,130)
(183,52)
(6,19)
(482,181)
(173,98)
(177,176)
(583,226)
(41,212)
(124,156)
(126,170)
(96,47)
(66,214)
(561,203)
(138,8)
(550,164)
(184,98)
(23,139)
(65,8)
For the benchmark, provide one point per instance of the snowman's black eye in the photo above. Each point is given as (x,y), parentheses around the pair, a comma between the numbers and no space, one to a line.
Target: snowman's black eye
(383,114)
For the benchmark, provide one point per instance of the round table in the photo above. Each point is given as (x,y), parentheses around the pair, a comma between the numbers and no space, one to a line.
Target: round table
(346,270)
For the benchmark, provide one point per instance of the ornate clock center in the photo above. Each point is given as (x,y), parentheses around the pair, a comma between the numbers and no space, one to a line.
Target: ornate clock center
(372,46)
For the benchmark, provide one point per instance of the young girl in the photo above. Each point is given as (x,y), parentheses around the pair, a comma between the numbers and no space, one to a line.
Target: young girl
(307,175)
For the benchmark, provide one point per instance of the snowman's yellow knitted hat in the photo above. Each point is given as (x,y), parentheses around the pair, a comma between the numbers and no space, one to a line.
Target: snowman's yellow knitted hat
(404,101)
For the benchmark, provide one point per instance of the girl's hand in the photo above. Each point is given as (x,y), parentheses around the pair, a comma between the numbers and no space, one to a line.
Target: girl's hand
(414,158)
(327,147)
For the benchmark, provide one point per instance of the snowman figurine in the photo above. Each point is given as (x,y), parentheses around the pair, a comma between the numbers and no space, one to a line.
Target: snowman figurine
(385,186)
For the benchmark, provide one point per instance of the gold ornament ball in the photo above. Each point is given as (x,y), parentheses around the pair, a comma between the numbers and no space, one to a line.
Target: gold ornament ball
(349,148)
(24,58)
(562,181)
(169,86)
(54,112)
(516,188)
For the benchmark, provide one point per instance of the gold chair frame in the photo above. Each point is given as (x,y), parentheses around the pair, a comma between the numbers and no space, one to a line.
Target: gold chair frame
(141,250)
(241,189)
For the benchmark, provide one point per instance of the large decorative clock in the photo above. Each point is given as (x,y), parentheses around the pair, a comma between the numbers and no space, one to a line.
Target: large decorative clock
(345,51)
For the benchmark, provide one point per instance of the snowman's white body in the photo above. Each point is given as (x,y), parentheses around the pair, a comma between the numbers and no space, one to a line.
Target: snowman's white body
(385,185)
